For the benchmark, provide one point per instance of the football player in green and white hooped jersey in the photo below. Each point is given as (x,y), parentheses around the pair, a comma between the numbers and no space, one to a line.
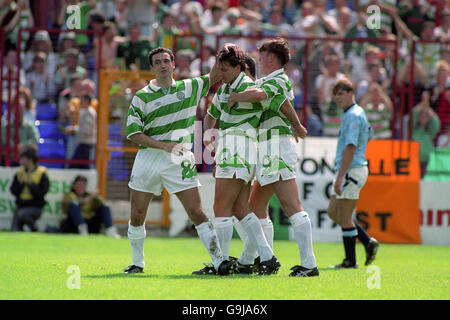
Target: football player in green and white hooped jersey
(161,121)
(236,158)
(277,155)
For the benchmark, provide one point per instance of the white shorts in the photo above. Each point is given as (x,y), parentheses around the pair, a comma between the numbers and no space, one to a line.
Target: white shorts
(352,183)
(154,170)
(236,157)
(277,158)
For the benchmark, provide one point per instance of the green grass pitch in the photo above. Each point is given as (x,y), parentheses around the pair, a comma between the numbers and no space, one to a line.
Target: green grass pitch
(37,266)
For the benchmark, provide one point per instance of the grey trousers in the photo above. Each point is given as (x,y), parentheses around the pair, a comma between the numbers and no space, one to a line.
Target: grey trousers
(26,216)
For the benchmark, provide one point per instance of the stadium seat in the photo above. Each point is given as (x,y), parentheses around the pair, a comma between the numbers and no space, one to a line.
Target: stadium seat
(46,112)
(117,167)
(49,129)
(52,149)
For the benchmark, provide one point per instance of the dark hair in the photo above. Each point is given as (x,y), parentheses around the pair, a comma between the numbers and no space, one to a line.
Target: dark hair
(279,47)
(30,152)
(79,178)
(233,55)
(250,65)
(343,84)
(159,50)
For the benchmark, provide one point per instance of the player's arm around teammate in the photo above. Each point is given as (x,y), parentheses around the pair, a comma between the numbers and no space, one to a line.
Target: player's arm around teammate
(236,157)
(162,160)
(277,155)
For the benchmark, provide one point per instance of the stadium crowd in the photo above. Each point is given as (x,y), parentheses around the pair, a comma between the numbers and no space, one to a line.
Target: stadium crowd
(60,69)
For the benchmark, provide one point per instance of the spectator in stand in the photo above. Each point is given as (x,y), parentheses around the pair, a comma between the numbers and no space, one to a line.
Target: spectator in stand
(414,14)
(386,19)
(330,113)
(377,74)
(378,108)
(86,212)
(425,126)
(213,21)
(17,14)
(10,67)
(209,59)
(64,74)
(84,7)
(389,57)
(339,5)
(166,31)
(71,92)
(41,43)
(110,44)
(440,93)
(307,8)
(28,133)
(182,10)
(86,132)
(354,50)
(237,26)
(184,59)
(427,53)
(40,80)
(26,99)
(143,12)
(360,68)
(234,27)
(275,26)
(442,31)
(320,23)
(134,50)
(344,20)
(67,41)
(67,118)
(121,17)
(30,185)
(420,80)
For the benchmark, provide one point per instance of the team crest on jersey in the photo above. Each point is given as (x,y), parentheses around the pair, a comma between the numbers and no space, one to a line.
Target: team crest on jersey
(180,95)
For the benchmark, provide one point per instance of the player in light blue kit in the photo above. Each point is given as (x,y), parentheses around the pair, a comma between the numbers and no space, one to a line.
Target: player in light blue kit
(351,173)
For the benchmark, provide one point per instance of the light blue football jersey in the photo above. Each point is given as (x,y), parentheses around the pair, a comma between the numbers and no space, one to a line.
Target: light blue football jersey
(356,130)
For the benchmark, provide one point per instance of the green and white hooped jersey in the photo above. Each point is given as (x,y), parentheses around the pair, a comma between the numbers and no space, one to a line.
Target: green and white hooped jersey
(167,115)
(278,88)
(242,119)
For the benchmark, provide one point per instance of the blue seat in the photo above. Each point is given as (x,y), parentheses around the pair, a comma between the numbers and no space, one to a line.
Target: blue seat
(49,129)
(52,149)
(46,112)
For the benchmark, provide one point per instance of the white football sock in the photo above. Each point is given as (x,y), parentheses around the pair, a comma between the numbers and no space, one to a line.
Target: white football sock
(136,235)
(267,227)
(252,226)
(224,228)
(249,253)
(208,235)
(303,235)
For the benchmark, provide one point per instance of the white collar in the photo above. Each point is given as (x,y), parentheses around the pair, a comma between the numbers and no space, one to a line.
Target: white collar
(155,88)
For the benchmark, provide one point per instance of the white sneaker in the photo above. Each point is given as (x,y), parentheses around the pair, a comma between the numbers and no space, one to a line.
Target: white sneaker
(83,229)
(112,232)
